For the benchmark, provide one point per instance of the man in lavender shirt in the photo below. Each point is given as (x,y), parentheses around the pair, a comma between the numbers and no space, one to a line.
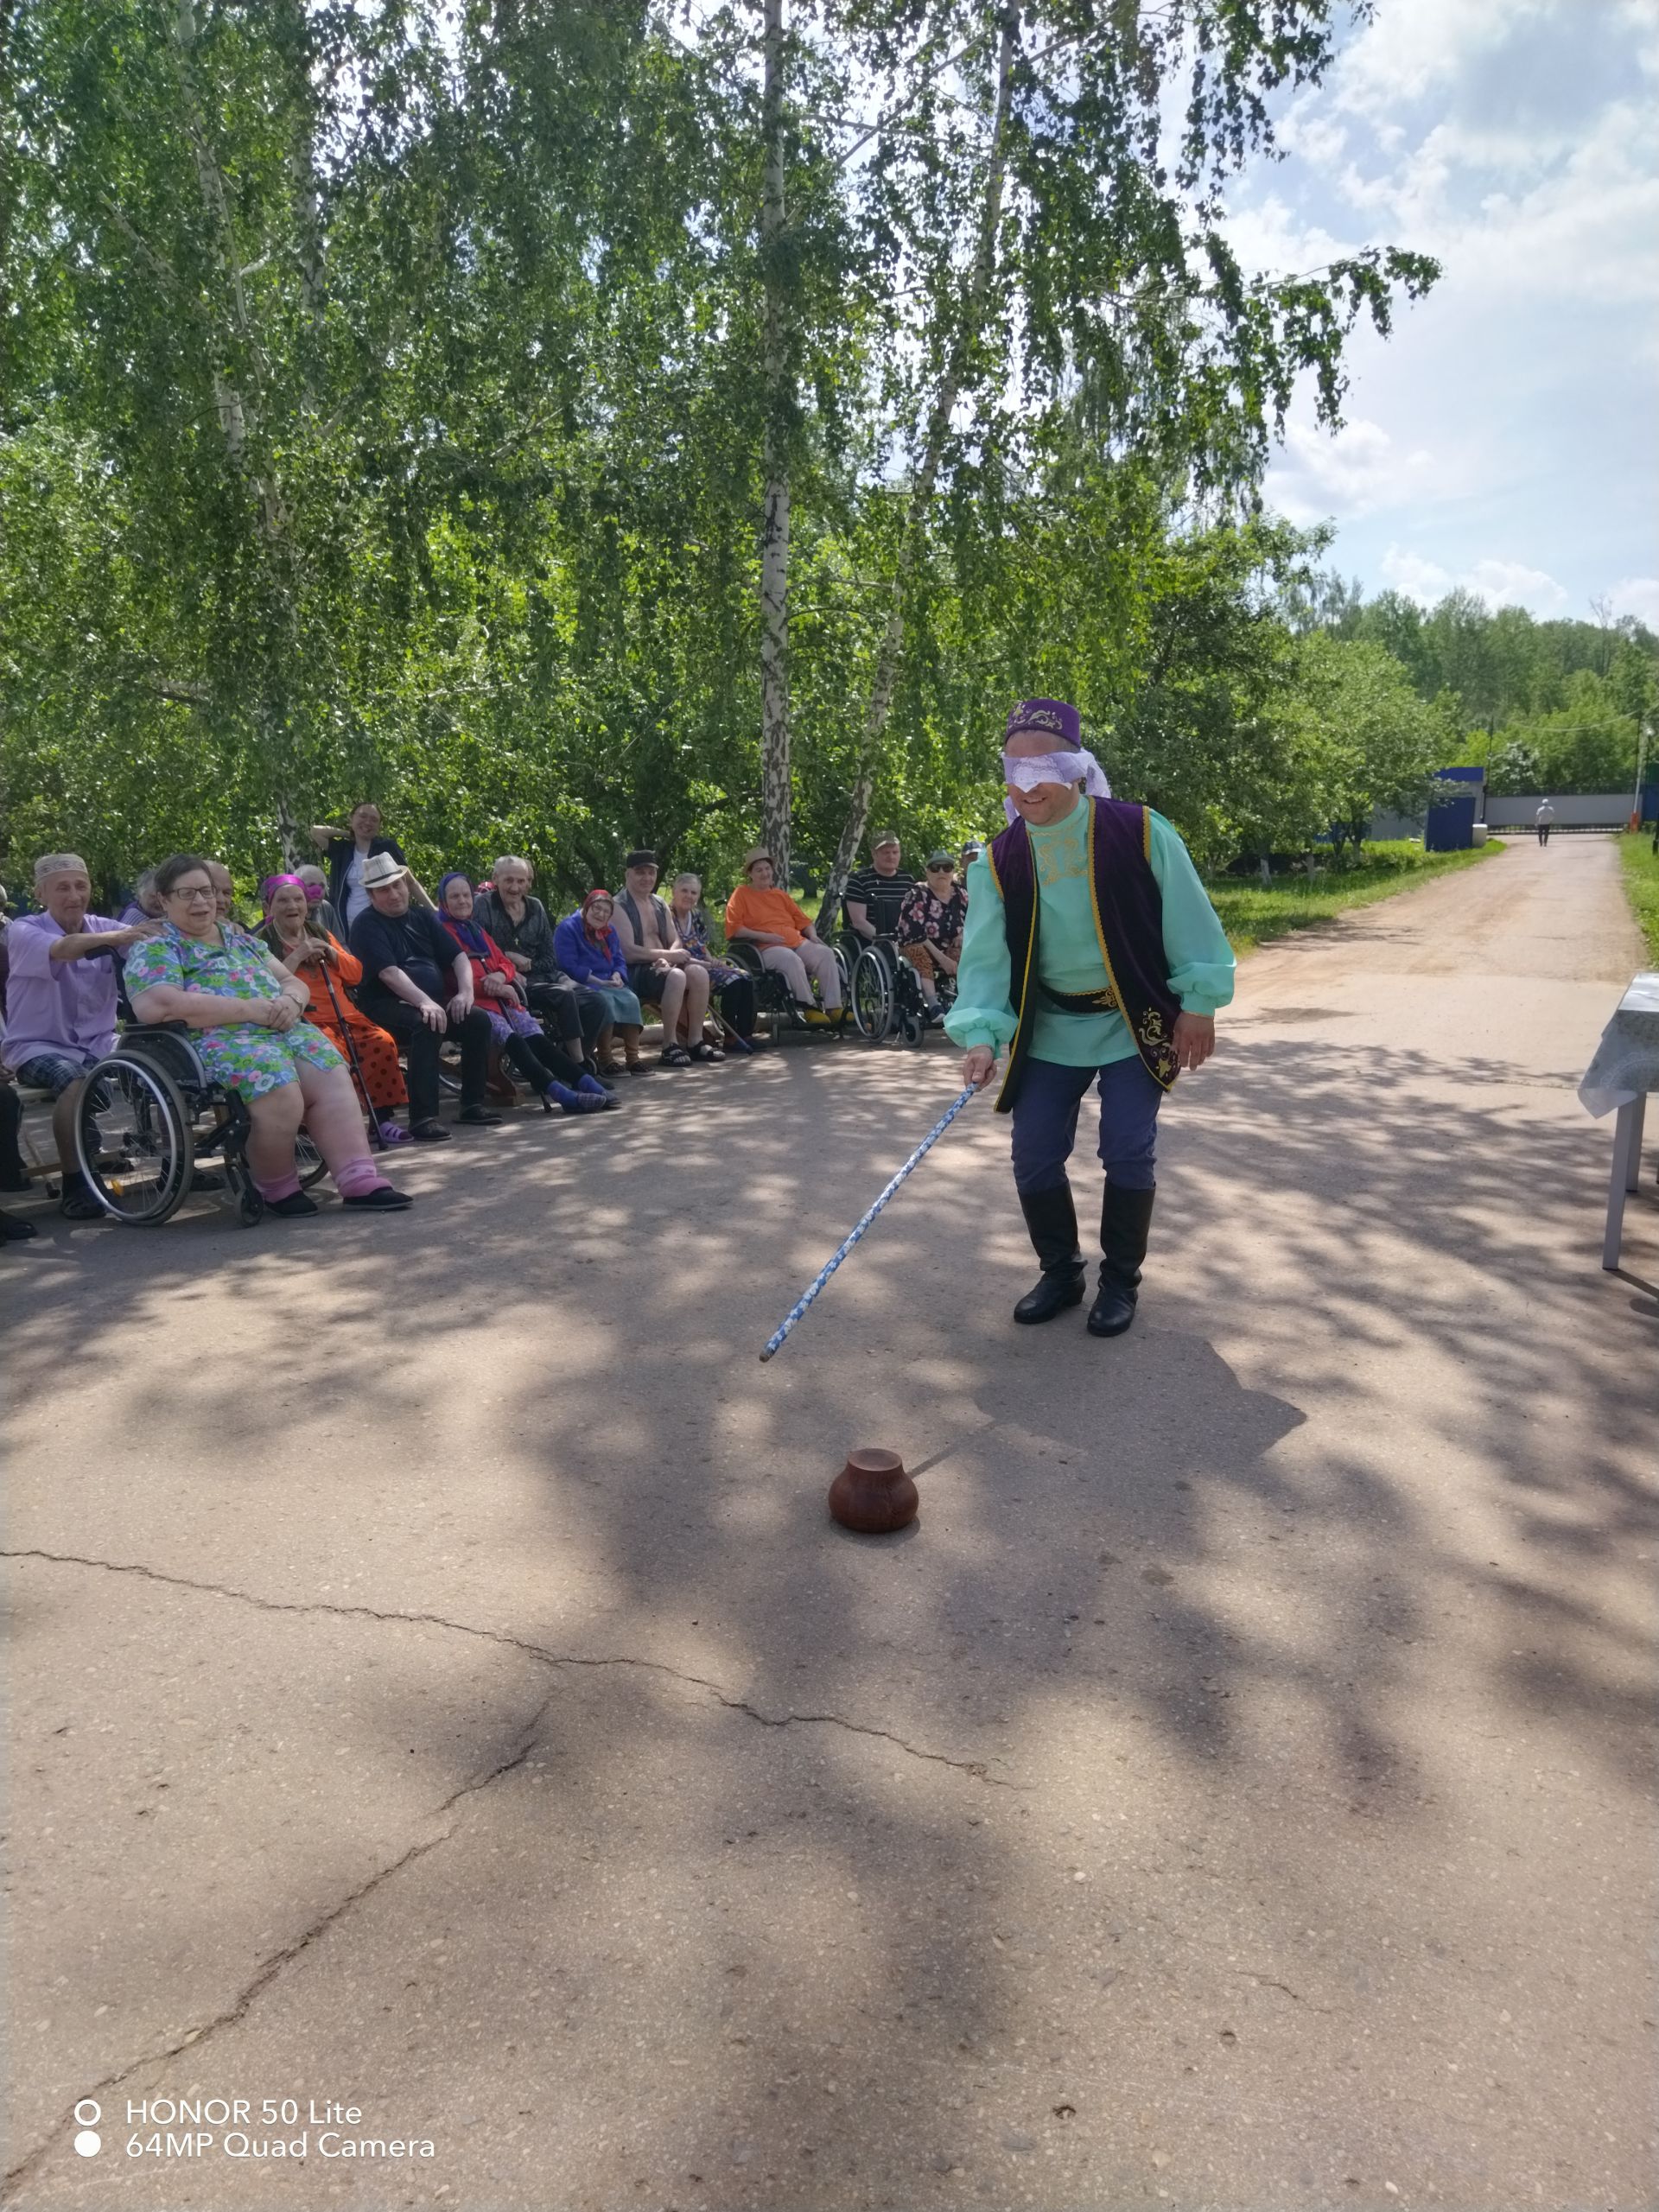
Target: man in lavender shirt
(60,1002)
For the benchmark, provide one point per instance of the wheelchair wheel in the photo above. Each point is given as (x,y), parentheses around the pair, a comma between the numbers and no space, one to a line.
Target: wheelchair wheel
(133,1141)
(449,1069)
(846,972)
(250,1206)
(308,1163)
(872,996)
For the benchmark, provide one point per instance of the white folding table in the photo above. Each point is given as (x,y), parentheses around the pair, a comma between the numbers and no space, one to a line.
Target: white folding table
(1624,1070)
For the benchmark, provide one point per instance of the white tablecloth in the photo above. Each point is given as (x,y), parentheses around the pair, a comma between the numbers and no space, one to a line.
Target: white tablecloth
(1626,1061)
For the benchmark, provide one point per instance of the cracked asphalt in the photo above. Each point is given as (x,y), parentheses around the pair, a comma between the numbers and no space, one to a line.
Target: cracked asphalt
(436,1689)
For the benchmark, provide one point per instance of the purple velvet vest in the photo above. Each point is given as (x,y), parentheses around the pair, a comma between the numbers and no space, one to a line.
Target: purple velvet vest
(1128,919)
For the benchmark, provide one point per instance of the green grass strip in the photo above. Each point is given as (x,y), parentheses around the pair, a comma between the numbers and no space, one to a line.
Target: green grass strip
(1252,914)
(1642,884)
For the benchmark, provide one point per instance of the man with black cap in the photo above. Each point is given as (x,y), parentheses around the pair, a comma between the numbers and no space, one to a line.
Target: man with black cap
(1091,955)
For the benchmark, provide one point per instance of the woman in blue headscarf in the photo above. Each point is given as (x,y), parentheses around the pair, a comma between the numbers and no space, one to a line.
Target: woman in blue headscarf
(556,1079)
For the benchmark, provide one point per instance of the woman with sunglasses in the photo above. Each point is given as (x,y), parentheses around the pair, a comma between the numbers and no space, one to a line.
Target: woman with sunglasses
(929,932)
(247,1012)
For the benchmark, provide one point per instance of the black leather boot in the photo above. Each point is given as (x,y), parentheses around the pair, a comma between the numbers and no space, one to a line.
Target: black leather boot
(1052,1221)
(1125,1220)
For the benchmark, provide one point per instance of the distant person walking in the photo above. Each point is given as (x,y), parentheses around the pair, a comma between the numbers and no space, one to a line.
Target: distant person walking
(1544,816)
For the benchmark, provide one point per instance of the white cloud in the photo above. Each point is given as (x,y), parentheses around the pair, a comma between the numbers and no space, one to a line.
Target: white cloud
(1500,583)
(1512,583)
(1421,580)
(1584,228)
(1637,595)
(1411,48)
(1357,472)
(1503,438)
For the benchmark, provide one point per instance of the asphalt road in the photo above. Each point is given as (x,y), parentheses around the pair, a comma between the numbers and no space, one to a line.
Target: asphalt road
(436,1690)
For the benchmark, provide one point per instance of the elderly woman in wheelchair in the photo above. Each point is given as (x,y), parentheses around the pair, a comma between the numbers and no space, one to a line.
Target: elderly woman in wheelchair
(244,1012)
(902,982)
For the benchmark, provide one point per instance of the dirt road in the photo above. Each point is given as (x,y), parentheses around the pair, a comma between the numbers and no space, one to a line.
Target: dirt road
(437,1692)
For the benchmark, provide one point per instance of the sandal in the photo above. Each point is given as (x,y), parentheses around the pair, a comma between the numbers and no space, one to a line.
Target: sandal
(392,1133)
(77,1203)
(673,1056)
(707,1052)
(636,1066)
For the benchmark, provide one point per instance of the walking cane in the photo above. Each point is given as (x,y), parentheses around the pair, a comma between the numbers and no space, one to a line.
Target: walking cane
(829,1266)
(730,1034)
(375,1137)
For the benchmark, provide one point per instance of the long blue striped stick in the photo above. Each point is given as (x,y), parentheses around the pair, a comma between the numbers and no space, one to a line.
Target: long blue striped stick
(830,1265)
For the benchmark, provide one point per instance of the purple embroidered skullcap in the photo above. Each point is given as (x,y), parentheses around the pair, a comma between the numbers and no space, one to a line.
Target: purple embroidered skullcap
(1052,717)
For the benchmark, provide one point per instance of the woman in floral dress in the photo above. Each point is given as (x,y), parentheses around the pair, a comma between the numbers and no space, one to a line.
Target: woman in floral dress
(930,929)
(247,1012)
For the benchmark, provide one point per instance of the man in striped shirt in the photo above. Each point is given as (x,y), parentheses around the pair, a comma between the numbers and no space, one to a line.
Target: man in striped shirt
(874,895)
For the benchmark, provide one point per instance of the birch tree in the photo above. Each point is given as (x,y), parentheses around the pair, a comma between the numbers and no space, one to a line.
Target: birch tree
(1071,259)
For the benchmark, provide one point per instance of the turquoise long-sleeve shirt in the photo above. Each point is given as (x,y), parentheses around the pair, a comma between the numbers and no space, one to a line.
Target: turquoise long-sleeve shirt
(1068,950)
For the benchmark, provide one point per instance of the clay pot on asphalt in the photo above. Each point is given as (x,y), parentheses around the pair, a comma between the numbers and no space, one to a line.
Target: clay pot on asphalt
(873,1494)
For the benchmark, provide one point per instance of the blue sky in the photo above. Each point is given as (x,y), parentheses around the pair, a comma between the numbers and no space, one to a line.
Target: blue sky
(1504,437)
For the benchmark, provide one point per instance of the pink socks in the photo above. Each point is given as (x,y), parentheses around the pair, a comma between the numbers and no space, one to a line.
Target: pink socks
(280,1187)
(355,1178)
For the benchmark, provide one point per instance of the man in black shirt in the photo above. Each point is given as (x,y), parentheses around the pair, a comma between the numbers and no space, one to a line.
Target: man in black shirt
(417,982)
(874,895)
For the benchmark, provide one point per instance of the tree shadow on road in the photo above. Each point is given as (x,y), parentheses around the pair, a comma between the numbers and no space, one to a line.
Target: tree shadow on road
(1147,1571)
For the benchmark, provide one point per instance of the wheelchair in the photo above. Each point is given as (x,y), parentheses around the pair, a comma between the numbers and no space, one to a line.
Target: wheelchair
(774,1000)
(153,1124)
(886,995)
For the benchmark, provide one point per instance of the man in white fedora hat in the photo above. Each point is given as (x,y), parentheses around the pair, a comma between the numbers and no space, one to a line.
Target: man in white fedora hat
(418,983)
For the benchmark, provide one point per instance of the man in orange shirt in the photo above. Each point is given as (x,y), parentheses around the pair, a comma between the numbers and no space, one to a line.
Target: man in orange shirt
(784,936)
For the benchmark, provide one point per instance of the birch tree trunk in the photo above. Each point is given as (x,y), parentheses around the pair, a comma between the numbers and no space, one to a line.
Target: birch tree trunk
(775,535)
(976,287)
(241,427)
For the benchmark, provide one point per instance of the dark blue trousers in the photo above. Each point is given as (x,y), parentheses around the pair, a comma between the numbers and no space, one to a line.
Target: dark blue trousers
(1046,1122)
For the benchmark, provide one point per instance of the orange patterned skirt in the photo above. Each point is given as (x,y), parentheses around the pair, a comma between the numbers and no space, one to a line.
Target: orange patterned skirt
(377,1054)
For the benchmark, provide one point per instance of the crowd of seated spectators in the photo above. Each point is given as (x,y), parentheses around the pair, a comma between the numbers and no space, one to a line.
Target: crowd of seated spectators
(335,1009)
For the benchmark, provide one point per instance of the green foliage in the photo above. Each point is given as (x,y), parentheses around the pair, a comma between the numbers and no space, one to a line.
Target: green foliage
(1543,705)
(1641,862)
(380,414)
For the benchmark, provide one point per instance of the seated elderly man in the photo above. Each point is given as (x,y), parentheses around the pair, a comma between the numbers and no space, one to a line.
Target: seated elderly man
(661,972)
(223,891)
(60,1002)
(874,895)
(417,982)
(572,1016)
